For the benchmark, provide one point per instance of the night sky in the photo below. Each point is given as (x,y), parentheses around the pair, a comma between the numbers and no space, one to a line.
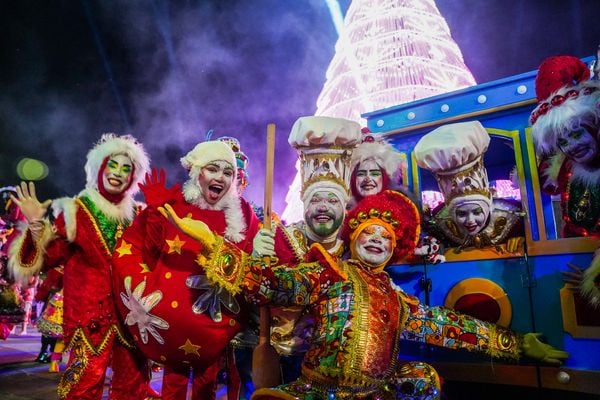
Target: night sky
(167,72)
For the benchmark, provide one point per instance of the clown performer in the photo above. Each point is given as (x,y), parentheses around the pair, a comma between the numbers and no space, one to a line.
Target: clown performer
(360,315)
(376,166)
(324,146)
(470,217)
(80,235)
(565,130)
(177,317)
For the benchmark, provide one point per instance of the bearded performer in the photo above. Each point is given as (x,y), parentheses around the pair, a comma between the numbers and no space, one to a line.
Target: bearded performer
(176,315)
(324,146)
(80,234)
(360,314)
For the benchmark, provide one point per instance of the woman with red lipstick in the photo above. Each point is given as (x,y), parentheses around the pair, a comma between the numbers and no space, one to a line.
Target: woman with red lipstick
(376,166)
(80,233)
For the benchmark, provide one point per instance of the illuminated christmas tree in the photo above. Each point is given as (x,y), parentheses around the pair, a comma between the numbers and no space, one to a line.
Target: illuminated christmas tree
(389,52)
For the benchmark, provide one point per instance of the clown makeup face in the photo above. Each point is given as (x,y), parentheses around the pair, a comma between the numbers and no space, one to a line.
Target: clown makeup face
(579,145)
(471,218)
(117,174)
(324,213)
(215,179)
(369,179)
(374,245)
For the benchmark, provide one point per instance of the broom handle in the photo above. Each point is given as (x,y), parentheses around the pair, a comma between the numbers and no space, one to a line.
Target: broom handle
(265,317)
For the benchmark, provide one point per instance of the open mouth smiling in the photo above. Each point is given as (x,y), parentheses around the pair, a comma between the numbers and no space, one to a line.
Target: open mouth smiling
(215,190)
(323,218)
(374,249)
(114,181)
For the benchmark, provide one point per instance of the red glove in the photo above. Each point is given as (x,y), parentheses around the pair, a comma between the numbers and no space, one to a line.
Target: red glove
(156,192)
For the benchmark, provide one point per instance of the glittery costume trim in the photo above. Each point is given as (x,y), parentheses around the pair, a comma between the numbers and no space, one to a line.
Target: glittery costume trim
(224,266)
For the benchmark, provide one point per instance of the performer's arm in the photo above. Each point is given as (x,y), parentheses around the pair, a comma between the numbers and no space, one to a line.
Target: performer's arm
(447,328)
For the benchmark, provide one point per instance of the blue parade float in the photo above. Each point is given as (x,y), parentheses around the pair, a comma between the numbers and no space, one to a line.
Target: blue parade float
(526,290)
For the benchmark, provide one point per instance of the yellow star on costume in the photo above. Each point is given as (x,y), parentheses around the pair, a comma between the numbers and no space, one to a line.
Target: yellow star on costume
(190,348)
(124,249)
(175,245)
(145,268)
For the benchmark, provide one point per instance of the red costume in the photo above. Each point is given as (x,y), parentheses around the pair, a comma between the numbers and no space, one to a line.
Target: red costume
(177,317)
(81,238)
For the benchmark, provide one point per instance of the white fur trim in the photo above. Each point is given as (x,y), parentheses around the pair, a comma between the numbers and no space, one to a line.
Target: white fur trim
(207,152)
(383,153)
(566,117)
(68,208)
(230,204)
(121,212)
(550,174)
(18,270)
(109,145)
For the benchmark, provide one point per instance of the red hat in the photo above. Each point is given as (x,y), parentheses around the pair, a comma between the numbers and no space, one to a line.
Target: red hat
(392,210)
(565,94)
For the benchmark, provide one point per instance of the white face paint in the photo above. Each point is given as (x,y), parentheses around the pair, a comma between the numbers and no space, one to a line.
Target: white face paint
(324,213)
(215,179)
(471,218)
(117,174)
(369,179)
(374,245)
(578,145)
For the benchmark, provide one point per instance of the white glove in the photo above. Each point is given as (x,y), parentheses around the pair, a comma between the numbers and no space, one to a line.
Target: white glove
(263,243)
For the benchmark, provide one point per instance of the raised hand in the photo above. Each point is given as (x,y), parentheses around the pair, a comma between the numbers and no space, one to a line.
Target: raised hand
(28,202)
(195,229)
(533,348)
(155,190)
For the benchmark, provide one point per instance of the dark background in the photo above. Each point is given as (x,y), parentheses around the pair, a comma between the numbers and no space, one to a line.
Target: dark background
(167,72)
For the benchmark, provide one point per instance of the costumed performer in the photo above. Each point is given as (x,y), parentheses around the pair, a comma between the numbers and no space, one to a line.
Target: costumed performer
(80,233)
(360,314)
(470,216)
(177,316)
(566,133)
(324,146)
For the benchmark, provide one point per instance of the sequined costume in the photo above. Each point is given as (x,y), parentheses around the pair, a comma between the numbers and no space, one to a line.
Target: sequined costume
(82,239)
(579,191)
(177,317)
(341,295)
(80,235)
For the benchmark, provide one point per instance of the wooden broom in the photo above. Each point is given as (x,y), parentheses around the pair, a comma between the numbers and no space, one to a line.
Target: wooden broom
(266,370)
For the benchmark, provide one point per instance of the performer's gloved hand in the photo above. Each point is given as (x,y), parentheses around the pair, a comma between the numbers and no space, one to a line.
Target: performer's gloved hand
(515,244)
(195,229)
(155,189)
(533,348)
(263,243)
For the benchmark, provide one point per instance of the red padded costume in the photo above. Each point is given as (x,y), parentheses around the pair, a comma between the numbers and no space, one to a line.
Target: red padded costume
(158,280)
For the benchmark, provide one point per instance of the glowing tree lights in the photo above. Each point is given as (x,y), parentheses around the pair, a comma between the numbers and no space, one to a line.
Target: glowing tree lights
(391,52)
(388,52)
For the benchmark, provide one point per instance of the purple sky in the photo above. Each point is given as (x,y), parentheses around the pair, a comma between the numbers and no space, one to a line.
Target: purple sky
(167,72)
